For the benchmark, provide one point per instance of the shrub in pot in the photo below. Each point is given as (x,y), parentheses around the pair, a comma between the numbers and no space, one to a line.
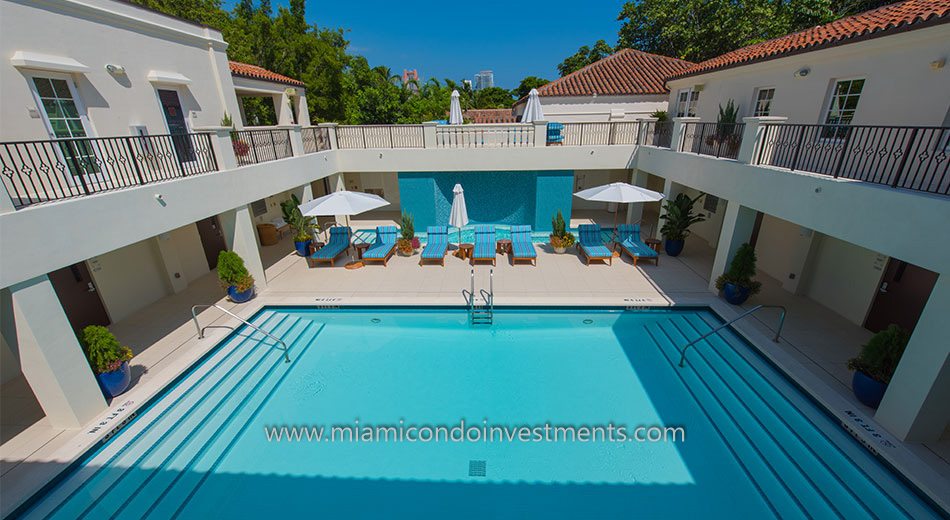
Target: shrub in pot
(303,226)
(678,218)
(407,242)
(108,359)
(561,239)
(737,284)
(234,277)
(875,365)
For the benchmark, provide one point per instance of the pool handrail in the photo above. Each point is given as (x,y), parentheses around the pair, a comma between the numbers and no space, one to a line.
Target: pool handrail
(201,330)
(778,332)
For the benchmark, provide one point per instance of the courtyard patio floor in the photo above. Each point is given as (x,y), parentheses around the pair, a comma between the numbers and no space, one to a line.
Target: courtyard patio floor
(164,338)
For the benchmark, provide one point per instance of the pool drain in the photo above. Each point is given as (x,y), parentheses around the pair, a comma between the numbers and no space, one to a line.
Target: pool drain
(476,468)
(375,320)
(588,321)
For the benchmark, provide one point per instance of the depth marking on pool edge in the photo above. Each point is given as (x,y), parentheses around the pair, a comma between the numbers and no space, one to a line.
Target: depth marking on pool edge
(477,468)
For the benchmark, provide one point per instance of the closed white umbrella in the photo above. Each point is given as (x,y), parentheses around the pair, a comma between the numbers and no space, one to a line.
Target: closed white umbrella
(455,109)
(619,192)
(458,217)
(532,110)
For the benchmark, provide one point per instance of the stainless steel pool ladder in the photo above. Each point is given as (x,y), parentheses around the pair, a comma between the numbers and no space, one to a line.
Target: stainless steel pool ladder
(778,331)
(482,314)
(201,330)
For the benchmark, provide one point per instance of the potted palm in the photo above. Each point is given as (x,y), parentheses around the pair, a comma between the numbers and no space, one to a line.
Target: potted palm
(303,226)
(725,134)
(108,359)
(407,242)
(561,239)
(678,218)
(737,283)
(875,365)
(234,277)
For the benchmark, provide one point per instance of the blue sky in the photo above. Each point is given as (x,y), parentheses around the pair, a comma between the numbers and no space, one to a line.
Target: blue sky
(457,39)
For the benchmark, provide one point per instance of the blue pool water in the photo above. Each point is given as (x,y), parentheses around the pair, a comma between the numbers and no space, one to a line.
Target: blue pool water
(755,446)
(467,234)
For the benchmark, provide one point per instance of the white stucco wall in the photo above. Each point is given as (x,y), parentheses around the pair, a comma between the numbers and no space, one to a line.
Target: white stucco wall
(843,277)
(598,108)
(129,278)
(100,32)
(386,181)
(901,88)
(584,179)
(781,246)
(187,244)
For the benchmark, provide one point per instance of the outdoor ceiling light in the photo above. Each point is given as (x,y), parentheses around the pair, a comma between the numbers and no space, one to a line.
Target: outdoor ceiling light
(118,70)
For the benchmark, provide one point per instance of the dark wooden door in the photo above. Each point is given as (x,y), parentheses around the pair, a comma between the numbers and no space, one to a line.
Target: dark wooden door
(171,107)
(901,297)
(212,239)
(79,296)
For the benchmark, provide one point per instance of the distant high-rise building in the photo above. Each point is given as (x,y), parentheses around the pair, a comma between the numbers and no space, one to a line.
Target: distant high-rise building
(410,79)
(484,79)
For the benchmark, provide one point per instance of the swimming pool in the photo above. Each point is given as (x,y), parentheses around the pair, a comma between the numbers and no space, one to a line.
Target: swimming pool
(754,445)
(468,234)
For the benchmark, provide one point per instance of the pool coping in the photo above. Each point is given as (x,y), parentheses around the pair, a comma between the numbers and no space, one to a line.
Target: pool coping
(86,441)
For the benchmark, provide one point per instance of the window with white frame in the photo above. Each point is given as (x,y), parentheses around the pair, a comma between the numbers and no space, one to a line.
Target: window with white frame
(763,102)
(841,106)
(686,101)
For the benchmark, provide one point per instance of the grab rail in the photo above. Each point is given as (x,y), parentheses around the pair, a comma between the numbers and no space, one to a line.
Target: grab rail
(778,332)
(471,295)
(201,330)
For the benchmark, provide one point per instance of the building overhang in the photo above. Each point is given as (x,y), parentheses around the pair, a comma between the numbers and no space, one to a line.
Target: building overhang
(39,61)
(168,78)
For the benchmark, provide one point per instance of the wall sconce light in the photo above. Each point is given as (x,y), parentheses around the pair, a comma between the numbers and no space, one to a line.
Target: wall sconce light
(117,70)
(699,87)
(938,64)
(802,72)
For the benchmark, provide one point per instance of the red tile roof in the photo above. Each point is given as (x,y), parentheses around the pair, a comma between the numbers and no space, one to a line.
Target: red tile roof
(911,14)
(489,115)
(246,70)
(624,73)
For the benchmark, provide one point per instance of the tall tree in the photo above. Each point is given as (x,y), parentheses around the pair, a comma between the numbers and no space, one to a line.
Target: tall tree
(697,30)
(527,84)
(584,57)
(493,97)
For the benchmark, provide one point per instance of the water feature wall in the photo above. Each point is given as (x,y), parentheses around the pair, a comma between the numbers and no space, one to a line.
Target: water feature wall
(515,197)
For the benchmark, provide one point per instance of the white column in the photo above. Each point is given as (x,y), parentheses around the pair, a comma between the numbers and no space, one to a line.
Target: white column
(668,193)
(643,137)
(635,211)
(916,407)
(241,237)
(282,109)
(736,230)
(51,358)
(540,134)
(752,137)
(303,111)
(331,134)
(171,263)
(428,135)
(679,133)
(222,146)
(296,139)
(6,203)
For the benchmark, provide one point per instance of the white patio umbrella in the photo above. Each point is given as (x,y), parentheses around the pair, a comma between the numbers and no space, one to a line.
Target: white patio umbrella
(342,203)
(455,109)
(458,217)
(532,110)
(621,193)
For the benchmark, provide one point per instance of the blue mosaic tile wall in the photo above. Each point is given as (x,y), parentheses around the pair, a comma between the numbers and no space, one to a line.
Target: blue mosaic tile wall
(521,197)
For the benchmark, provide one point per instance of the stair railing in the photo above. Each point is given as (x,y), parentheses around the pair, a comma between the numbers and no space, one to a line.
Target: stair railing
(201,330)
(778,331)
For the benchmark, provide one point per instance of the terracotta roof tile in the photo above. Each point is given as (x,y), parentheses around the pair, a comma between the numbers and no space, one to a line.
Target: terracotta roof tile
(489,115)
(246,70)
(889,19)
(626,72)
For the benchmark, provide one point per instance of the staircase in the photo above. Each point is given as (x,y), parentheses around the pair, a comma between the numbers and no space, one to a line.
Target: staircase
(160,461)
(802,461)
(482,313)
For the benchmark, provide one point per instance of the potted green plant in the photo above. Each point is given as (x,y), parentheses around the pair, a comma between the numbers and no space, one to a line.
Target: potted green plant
(405,245)
(875,365)
(725,134)
(561,239)
(234,277)
(737,284)
(108,359)
(678,218)
(303,226)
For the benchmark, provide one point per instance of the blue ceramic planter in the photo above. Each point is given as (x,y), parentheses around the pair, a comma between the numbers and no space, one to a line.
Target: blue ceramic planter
(303,248)
(115,382)
(240,297)
(868,390)
(734,294)
(674,247)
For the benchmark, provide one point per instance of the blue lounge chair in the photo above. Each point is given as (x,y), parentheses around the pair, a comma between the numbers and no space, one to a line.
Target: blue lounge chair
(630,243)
(554,133)
(485,245)
(522,248)
(384,246)
(437,244)
(592,245)
(338,243)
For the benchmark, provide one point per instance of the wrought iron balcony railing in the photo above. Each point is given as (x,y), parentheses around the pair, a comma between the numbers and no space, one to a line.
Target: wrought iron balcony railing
(657,133)
(261,145)
(40,171)
(315,139)
(715,139)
